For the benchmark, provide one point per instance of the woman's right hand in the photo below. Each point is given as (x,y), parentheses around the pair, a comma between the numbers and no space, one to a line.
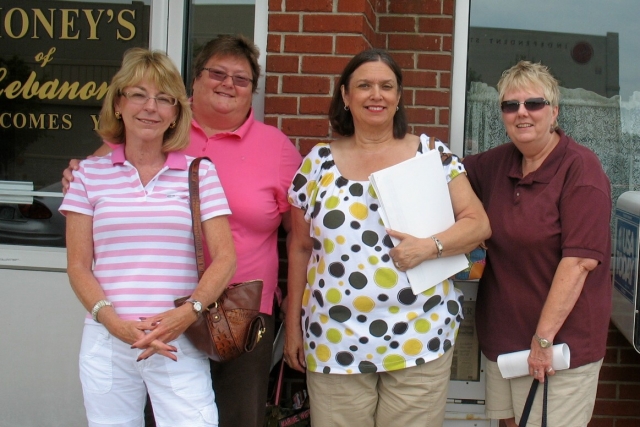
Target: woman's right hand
(293,346)
(67,174)
(130,332)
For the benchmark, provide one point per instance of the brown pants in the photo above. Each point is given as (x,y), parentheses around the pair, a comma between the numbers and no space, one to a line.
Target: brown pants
(241,384)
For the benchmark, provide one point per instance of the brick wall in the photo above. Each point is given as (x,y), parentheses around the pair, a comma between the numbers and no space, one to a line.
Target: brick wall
(618,399)
(310,42)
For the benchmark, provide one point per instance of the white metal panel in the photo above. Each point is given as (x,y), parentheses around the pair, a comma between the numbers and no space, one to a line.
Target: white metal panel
(42,324)
(459,77)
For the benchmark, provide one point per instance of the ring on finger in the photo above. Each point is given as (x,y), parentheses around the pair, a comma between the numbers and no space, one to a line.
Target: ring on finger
(535,373)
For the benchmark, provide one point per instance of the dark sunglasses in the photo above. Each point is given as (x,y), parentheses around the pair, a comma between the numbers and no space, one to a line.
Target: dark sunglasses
(221,76)
(532,104)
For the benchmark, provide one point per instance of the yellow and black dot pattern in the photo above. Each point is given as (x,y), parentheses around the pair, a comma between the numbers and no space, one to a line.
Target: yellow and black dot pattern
(359,313)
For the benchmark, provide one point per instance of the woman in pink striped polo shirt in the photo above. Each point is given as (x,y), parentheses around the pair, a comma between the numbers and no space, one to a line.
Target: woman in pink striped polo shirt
(130,254)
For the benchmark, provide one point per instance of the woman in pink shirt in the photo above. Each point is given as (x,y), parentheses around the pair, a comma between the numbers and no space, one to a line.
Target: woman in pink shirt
(130,254)
(256,163)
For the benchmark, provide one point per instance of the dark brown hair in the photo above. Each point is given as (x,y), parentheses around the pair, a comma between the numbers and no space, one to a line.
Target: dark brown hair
(341,119)
(227,45)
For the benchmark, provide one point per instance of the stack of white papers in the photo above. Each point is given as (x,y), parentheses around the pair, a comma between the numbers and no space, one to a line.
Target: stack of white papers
(414,199)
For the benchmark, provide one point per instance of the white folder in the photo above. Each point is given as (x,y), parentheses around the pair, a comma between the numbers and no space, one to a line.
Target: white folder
(414,199)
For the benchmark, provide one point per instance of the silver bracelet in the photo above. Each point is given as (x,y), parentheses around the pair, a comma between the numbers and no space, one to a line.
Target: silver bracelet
(438,246)
(99,306)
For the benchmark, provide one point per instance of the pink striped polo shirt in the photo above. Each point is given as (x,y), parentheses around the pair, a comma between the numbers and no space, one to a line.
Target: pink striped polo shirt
(143,241)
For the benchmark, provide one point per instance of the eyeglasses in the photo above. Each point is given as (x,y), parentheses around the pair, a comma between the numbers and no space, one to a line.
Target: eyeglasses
(221,76)
(531,104)
(141,98)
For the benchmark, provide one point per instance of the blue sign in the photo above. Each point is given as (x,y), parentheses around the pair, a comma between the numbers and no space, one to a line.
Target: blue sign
(625,277)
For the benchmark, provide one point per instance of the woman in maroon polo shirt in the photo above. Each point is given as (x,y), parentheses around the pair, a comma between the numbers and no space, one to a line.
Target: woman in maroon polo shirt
(547,278)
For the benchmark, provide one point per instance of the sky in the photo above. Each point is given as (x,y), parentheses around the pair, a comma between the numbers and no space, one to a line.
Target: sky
(594,17)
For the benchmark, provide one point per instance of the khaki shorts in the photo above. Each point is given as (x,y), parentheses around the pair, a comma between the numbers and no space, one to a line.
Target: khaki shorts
(570,400)
(411,397)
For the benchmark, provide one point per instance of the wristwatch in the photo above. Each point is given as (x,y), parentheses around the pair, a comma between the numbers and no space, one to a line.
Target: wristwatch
(197,306)
(544,343)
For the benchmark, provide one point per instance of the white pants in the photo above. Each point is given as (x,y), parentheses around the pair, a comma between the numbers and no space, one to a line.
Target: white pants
(115,386)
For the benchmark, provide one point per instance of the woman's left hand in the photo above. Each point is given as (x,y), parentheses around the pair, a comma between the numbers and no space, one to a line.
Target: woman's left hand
(410,252)
(540,360)
(164,327)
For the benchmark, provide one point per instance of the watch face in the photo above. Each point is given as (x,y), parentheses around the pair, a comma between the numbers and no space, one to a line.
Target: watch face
(544,343)
(197,307)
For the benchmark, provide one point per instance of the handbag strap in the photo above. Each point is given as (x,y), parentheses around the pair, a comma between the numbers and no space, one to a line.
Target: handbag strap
(529,403)
(276,398)
(194,197)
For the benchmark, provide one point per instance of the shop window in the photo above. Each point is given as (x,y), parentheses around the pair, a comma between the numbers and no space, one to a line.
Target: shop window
(592,49)
(211,18)
(57,59)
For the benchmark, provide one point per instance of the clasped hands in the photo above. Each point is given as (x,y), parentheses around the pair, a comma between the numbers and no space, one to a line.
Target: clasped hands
(152,334)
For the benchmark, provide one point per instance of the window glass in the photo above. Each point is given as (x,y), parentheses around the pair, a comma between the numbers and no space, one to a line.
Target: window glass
(57,59)
(211,18)
(591,47)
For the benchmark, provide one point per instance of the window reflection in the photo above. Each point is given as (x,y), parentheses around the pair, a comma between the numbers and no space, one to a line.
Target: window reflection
(590,46)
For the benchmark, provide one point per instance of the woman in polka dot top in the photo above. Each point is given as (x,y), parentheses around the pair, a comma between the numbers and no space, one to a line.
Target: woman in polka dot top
(374,353)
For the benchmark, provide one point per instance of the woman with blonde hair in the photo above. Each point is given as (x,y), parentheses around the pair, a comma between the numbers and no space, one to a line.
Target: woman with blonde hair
(131,253)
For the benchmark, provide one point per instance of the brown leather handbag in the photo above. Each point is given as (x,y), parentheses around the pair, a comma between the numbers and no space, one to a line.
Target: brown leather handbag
(233,324)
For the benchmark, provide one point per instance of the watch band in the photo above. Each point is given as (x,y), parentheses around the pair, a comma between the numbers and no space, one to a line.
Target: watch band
(99,306)
(438,246)
(544,343)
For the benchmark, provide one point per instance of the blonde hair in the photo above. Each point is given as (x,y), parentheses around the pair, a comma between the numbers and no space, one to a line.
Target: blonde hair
(139,64)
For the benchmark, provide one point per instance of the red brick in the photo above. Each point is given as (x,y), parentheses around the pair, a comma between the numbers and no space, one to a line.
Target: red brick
(600,422)
(405,60)
(421,115)
(615,338)
(433,98)
(274,43)
(324,64)
(315,105)
(306,144)
(414,42)
(305,127)
(306,84)
(448,7)
(434,61)
(288,22)
(442,133)
(333,23)
(352,5)
(617,408)
(629,391)
(611,356)
(629,356)
(281,105)
(415,6)
(447,44)
(420,79)
(607,391)
(309,6)
(271,121)
(275,5)
(408,96)
(442,25)
(445,80)
(619,373)
(308,44)
(443,116)
(399,24)
(627,422)
(271,84)
(282,63)
(351,45)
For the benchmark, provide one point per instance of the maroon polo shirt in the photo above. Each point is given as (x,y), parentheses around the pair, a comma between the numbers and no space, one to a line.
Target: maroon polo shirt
(563,209)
